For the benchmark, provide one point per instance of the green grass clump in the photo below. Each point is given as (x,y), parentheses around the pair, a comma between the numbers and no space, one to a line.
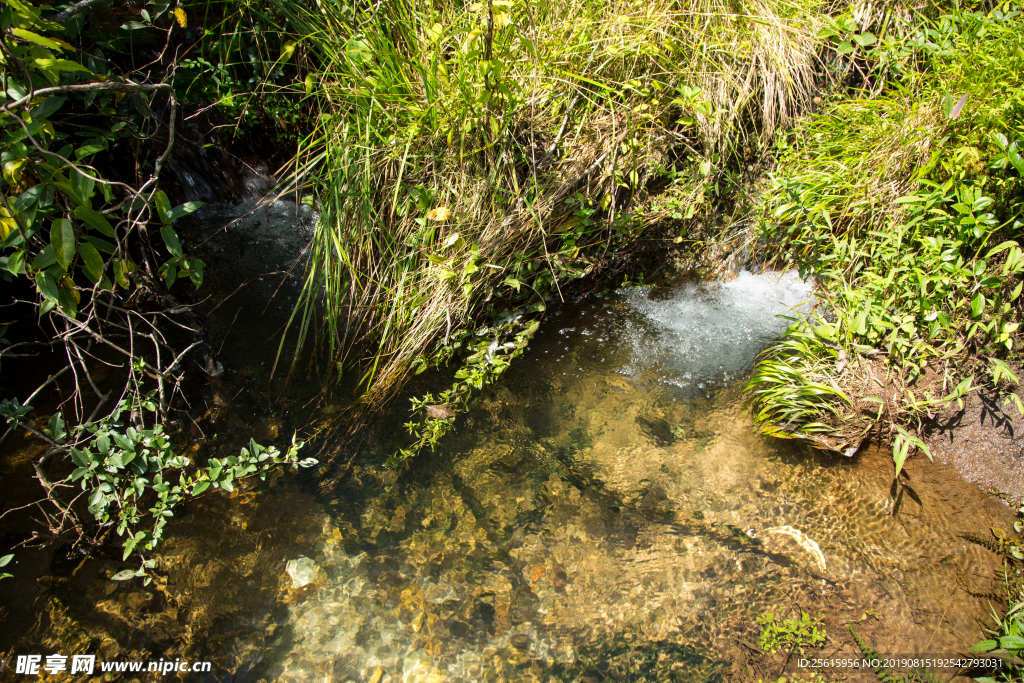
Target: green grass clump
(905,204)
(481,155)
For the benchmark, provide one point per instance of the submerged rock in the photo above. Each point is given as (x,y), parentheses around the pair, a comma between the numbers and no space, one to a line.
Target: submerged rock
(418,669)
(302,570)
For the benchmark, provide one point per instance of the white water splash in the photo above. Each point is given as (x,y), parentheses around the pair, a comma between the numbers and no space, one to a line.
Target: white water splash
(706,333)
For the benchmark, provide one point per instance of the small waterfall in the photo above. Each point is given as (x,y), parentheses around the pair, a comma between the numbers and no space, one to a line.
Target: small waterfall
(702,333)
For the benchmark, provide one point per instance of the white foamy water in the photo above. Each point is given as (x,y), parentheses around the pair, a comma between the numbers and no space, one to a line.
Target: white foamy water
(702,333)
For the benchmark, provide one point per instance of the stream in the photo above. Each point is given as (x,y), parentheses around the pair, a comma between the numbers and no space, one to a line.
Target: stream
(603,512)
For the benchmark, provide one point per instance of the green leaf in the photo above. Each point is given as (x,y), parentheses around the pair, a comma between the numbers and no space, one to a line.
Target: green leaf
(101,244)
(171,240)
(95,220)
(899,454)
(44,259)
(1001,247)
(67,301)
(38,39)
(163,206)
(59,65)
(124,574)
(92,261)
(96,498)
(865,39)
(46,286)
(15,91)
(30,197)
(196,274)
(62,241)
(79,458)
(6,560)
(977,305)
(48,108)
(182,210)
(286,50)
(16,263)
(908,199)
(359,51)
(121,270)
(88,150)
(82,186)
(1012,642)
(860,324)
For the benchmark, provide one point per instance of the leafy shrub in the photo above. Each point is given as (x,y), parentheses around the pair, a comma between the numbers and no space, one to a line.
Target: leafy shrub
(906,207)
(130,473)
(81,237)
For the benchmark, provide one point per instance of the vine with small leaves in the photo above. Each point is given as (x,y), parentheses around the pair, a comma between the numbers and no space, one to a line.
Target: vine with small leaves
(491,350)
(126,465)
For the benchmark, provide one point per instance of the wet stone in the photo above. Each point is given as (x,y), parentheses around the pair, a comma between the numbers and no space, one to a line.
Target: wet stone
(302,571)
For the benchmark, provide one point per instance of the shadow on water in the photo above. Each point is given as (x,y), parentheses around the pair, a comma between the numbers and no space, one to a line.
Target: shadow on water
(604,512)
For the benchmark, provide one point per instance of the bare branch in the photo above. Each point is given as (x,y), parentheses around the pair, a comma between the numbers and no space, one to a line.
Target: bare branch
(104,86)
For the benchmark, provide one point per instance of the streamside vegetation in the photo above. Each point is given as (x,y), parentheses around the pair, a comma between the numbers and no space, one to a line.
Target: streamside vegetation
(1007,636)
(904,201)
(476,158)
(89,251)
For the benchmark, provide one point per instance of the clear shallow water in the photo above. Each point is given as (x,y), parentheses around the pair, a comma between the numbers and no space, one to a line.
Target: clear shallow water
(603,511)
(608,493)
